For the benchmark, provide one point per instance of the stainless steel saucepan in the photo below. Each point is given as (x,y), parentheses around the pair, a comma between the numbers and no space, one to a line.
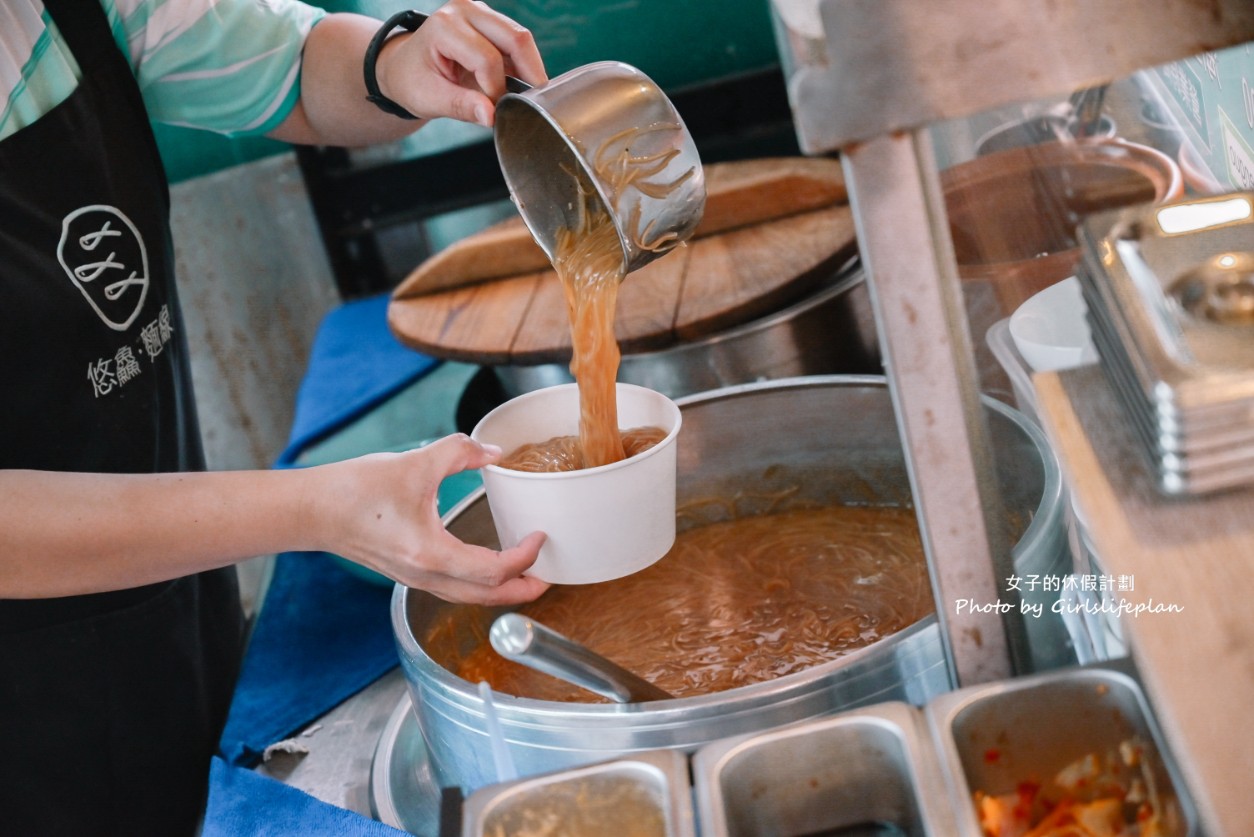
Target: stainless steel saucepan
(609,128)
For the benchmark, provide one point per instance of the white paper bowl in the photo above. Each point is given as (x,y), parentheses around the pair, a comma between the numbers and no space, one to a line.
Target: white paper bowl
(1051,331)
(602,523)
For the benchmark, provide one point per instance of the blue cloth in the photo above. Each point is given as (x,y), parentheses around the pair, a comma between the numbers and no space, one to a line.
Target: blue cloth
(322,636)
(243,803)
(355,364)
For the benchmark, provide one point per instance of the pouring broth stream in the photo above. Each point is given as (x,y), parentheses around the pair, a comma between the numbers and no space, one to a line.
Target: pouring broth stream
(588,258)
(589,265)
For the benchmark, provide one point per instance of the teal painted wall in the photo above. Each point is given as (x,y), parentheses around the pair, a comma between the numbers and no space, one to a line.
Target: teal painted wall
(189,153)
(676,42)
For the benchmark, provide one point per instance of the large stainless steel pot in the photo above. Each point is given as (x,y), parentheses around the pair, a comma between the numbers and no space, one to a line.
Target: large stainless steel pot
(836,439)
(831,331)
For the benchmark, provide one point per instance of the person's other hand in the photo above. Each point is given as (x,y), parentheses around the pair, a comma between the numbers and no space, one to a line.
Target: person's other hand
(455,64)
(381,510)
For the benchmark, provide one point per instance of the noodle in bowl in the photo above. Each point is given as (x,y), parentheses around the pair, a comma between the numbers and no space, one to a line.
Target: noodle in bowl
(602,522)
(827,440)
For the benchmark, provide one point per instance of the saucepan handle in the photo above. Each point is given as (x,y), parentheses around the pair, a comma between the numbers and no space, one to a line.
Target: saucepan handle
(516,85)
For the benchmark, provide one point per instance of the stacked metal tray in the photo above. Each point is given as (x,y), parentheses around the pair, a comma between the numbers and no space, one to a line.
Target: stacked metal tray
(1170,297)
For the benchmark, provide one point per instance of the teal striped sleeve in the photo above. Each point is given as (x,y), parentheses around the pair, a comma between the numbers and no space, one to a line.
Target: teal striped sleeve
(230,66)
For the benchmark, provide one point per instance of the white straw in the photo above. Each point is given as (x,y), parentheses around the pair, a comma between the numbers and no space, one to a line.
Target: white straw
(505,770)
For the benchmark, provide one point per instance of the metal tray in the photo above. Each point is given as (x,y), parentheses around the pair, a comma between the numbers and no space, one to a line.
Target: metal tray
(996,736)
(1216,446)
(1222,458)
(871,769)
(1171,311)
(645,793)
(1169,430)
(1189,357)
(403,790)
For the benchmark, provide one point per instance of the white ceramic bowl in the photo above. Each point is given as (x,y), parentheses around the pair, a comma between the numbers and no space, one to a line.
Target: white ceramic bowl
(602,523)
(1051,331)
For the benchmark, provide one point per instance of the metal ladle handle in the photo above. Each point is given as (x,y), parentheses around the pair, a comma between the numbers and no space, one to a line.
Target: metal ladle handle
(526,641)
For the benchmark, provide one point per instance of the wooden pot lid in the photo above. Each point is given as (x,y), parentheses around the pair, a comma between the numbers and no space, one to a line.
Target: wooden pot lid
(772,232)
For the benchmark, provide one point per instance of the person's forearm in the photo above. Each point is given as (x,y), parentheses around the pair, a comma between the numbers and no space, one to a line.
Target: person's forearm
(66,534)
(332,109)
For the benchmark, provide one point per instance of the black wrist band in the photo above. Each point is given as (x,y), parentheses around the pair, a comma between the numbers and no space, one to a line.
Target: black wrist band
(408,21)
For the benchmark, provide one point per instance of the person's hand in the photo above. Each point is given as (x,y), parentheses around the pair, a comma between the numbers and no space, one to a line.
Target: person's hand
(381,510)
(455,64)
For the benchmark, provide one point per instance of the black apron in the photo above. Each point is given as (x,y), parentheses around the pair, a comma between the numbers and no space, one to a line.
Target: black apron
(110,704)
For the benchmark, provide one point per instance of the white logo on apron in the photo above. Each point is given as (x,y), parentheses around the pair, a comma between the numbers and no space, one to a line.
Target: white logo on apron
(103,254)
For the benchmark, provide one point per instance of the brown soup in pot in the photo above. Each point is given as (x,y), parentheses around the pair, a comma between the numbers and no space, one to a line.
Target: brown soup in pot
(733,603)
